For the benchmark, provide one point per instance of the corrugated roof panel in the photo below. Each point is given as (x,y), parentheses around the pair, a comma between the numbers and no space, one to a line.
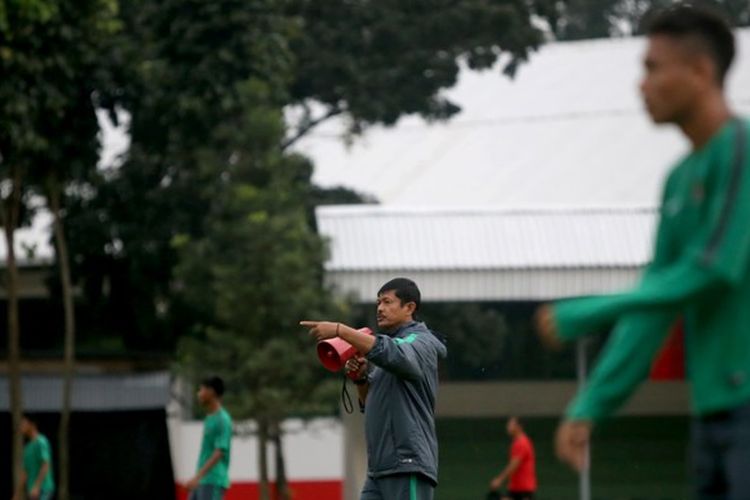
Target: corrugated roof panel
(391,238)
(92,392)
(488,285)
(568,130)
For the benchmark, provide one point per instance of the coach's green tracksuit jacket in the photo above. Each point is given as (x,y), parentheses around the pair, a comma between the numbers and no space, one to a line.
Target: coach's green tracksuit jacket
(700,270)
(400,406)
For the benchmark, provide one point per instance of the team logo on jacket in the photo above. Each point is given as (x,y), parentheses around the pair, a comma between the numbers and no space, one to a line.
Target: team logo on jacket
(698,192)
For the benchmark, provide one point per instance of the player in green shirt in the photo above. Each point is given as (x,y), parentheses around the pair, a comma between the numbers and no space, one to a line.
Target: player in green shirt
(700,269)
(212,477)
(37,478)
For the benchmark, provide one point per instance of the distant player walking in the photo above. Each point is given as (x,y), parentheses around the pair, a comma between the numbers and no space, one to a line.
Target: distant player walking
(37,481)
(212,478)
(520,473)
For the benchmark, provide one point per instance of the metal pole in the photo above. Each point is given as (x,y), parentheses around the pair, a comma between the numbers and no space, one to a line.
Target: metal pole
(584,479)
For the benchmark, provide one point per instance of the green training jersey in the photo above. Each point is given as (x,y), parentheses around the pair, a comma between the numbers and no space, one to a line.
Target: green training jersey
(217,435)
(699,271)
(35,454)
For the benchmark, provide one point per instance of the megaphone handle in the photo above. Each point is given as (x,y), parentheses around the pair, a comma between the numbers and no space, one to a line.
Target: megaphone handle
(346,398)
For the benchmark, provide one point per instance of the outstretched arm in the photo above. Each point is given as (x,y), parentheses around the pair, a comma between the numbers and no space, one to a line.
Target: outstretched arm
(322,330)
(497,481)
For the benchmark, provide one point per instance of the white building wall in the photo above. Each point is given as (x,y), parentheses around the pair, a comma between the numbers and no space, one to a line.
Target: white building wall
(313,450)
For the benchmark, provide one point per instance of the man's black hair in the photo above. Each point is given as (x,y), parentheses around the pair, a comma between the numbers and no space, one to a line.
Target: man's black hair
(214,383)
(700,23)
(34,419)
(405,289)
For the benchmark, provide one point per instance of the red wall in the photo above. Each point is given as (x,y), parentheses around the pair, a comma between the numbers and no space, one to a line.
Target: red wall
(301,490)
(670,362)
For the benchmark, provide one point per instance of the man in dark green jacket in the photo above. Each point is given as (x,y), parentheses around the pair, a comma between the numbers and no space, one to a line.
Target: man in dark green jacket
(397,386)
(699,270)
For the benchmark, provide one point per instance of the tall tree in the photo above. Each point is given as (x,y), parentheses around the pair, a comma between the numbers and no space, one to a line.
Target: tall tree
(369,62)
(255,271)
(11,208)
(22,104)
(188,60)
(196,72)
(53,51)
(80,79)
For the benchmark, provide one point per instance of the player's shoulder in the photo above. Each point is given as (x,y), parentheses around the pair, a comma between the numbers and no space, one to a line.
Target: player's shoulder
(217,421)
(225,416)
(522,441)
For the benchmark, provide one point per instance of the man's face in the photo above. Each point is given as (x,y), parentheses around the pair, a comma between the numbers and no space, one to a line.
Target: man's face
(391,313)
(205,395)
(25,427)
(510,427)
(672,79)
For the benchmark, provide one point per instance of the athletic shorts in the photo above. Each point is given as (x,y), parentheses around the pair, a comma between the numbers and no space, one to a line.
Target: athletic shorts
(207,492)
(398,487)
(44,495)
(521,495)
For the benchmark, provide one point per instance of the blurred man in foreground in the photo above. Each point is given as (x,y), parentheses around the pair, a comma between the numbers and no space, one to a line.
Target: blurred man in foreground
(699,269)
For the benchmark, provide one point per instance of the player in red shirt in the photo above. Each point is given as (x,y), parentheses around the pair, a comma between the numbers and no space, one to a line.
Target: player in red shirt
(521,468)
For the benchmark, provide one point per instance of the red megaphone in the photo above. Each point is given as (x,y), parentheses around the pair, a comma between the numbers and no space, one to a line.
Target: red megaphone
(334,353)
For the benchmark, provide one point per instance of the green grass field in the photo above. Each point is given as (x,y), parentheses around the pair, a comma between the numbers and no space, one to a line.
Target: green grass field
(642,458)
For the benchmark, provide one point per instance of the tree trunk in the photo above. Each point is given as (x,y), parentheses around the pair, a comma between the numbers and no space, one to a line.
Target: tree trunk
(282,485)
(10,210)
(265,494)
(63,263)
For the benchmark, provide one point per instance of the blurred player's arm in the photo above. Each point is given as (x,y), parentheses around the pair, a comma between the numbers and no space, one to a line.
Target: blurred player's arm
(37,488)
(716,258)
(509,469)
(210,463)
(622,366)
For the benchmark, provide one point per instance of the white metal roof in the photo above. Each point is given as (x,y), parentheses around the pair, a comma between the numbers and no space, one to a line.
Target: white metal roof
(486,254)
(568,131)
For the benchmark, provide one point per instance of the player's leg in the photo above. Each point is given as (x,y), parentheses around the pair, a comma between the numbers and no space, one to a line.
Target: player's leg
(521,495)
(207,492)
(708,450)
(738,455)
(218,493)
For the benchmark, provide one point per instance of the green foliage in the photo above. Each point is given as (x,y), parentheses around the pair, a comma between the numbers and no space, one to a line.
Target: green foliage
(252,275)
(378,60)
(583,19)
(190,73)
(477,335)
(49,56)
(193,73)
